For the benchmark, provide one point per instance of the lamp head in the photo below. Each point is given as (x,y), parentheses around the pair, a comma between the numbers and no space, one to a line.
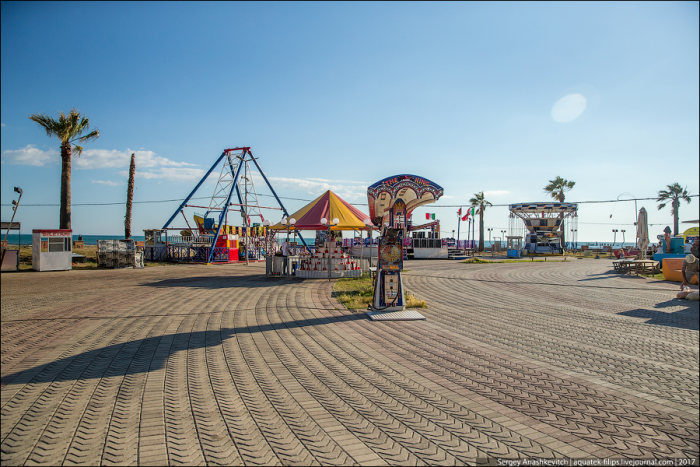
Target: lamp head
(324,221)
(292,221)
(283,221)
(18,190)
(367,222)
(266,222)
(336,221)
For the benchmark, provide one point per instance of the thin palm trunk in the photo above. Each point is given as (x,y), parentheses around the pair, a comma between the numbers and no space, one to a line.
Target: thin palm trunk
(481,228)
(676,204)
(129,199)
(65,215)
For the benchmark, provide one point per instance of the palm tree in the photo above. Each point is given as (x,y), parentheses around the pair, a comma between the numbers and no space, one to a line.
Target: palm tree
(68,129)
(129,198)
(675,194)
(480,203)
(556,189)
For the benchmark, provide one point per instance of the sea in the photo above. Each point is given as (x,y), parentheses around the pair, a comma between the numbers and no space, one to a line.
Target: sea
(26,239)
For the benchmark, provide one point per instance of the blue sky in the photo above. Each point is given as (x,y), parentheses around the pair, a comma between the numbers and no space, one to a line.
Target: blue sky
(341,95)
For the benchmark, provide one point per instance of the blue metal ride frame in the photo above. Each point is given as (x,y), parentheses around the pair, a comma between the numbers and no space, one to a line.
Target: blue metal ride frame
(225,207)
(276,197)
(182,206)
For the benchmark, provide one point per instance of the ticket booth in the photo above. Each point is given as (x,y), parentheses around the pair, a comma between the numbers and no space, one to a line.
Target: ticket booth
(52,250)
(515,246)
(229,244)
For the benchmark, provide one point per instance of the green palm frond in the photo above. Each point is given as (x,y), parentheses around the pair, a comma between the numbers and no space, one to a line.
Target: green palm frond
(46,122)
(661,206)
(67,128)
(557,187)
(78,149)
(90,136)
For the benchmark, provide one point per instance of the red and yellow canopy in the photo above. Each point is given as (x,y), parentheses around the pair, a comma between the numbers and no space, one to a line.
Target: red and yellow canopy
(328,206)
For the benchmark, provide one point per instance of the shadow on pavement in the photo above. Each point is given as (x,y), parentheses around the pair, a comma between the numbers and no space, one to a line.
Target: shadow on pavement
(605,275)
(145,355)
(686,318)
(222,282)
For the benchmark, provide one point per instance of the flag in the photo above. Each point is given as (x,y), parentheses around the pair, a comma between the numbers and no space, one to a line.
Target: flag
(470,211)
(430,216)
(459,213)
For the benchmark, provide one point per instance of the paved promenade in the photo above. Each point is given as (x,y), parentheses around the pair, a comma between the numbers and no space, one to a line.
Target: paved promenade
(219,365)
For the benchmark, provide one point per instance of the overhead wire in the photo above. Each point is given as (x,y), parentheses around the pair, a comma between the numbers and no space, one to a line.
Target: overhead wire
(354,204)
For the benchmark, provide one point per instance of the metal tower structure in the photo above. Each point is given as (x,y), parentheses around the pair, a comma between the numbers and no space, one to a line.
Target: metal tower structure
(235,176)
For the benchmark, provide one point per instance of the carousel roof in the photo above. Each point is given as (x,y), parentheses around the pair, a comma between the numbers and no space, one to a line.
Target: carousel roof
(415,191)
(329,206)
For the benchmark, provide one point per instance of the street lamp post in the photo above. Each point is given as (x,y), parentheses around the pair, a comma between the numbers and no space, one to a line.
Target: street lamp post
(489,229)
(615,231)
(289,223)
(367,224)
(15,206)
(266,224)
(324,221)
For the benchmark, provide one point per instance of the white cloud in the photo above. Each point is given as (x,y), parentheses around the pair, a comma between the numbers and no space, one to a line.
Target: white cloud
(169,173)
(30,155)
(341,181)
(348,190)
(92,158)
(105,158)
(496,193)
(107,182)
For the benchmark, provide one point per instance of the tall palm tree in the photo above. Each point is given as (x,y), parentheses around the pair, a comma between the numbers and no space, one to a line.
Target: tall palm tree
(480,203)
(68,129)
(556,189)
(675,194)
(129,198)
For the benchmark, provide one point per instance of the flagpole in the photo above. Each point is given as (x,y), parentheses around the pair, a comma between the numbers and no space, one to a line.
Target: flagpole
(459,221)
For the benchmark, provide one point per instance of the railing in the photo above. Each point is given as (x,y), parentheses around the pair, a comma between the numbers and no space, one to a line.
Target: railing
(155,254)
(196,254)
(189,240)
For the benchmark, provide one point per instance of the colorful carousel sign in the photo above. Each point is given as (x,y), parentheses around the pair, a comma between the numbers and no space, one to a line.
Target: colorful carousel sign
(412,190)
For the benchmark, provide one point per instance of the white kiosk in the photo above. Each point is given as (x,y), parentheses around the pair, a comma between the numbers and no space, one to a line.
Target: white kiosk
(52,250)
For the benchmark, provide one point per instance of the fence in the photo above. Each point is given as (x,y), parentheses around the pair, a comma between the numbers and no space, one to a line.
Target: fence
(119,254)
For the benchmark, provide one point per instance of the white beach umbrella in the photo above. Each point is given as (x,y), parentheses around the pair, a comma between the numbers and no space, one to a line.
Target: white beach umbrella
(642,232)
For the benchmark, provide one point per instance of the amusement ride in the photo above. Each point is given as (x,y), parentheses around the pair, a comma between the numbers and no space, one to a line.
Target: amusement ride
(213,240)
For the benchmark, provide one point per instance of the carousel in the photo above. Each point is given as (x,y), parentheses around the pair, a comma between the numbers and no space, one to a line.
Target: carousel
(545,226)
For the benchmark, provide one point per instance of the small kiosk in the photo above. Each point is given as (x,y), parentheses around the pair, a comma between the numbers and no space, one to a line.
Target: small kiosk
(155,245)
(52,250)
(515,246)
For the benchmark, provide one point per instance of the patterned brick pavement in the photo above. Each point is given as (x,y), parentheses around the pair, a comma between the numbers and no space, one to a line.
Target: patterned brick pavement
(219,365)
